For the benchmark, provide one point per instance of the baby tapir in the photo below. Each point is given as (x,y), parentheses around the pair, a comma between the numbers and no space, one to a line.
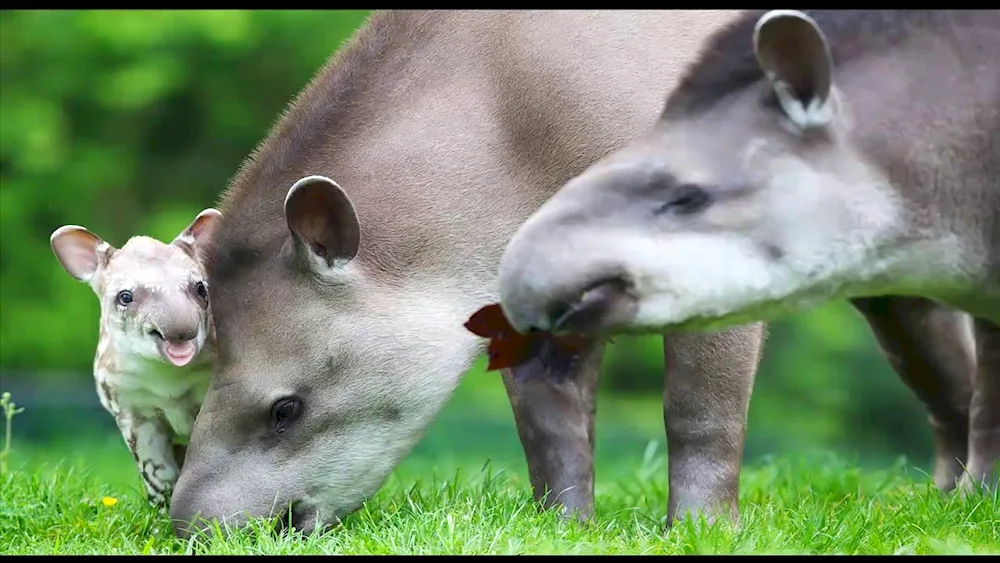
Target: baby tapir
(156,343)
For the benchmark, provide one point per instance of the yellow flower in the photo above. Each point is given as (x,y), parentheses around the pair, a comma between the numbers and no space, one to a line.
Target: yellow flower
(109,501)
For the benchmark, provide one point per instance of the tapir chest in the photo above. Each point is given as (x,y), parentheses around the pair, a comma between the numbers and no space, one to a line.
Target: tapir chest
(165,393)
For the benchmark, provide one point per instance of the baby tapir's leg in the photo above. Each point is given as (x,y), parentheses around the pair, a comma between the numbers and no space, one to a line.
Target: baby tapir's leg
(148,440)
(984,431)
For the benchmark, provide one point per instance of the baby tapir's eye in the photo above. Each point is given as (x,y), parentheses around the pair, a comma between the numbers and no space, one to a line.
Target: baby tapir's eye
(124,297)
(200,289)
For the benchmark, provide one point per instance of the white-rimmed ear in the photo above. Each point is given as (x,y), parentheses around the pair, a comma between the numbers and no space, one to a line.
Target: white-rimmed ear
(794,55)
(323,220)
(200,231)
(81,252)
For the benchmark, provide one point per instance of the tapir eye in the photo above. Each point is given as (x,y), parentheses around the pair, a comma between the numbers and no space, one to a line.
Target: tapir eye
(124,297)
(284,411)
(200,289)
(686,200)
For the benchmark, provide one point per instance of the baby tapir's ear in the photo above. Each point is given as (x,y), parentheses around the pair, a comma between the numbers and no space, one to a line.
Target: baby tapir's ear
(199,232)
(81,252)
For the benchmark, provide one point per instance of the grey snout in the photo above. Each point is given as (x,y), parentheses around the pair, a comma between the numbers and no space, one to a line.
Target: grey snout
(192,508)
(228,497)
(590,308)
(186,523)
(566,269)
(197,516)
(551,281)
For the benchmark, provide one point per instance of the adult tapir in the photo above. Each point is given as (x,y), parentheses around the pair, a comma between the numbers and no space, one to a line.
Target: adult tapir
(370,224)
(804,157)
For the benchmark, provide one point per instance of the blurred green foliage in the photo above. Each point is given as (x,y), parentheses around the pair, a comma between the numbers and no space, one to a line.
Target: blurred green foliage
(127,122)
(130,122)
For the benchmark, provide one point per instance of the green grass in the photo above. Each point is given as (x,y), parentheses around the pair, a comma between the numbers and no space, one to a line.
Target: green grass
(788,507)
(464,490)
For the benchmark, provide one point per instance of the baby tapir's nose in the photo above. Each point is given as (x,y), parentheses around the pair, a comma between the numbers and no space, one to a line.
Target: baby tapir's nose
(180,335)
(177,332)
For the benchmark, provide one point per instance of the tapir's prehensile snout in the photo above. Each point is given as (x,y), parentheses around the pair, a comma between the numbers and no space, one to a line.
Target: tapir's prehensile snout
(195,503)
(556,277)
(199,504)
(532,298)
(583,305)
(216,485)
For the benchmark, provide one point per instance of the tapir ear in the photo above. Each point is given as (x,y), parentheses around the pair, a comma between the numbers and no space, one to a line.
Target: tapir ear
(199,233)
(322,218)
(81,252)
(795,57)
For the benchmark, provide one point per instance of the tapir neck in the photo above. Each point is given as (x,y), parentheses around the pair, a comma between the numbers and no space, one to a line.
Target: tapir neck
(940,153)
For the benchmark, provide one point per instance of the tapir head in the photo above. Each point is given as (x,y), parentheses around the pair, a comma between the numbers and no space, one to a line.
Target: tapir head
(728,210)
(154,296)
(328,371)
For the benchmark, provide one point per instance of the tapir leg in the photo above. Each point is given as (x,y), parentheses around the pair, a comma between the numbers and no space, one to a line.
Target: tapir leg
(555,421)
(930,348)
(706,395)
(984,420)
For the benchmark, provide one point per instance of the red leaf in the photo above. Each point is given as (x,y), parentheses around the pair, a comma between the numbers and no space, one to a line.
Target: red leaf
(489,322)
(508,352)
(510,349)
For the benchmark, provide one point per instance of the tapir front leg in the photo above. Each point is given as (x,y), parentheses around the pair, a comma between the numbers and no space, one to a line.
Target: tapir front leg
(555,421)
(984,419)
(153,451)
(706,395)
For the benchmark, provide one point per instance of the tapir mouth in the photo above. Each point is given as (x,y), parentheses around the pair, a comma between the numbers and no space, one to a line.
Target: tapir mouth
(301,518)
(177,352)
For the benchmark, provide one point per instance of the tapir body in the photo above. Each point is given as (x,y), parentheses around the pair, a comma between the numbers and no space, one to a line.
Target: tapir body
(805,157)
(369,225)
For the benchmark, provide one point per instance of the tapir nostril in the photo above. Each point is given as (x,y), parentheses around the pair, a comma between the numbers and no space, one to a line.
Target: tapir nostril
(557,311)
(605,301)
(179,335)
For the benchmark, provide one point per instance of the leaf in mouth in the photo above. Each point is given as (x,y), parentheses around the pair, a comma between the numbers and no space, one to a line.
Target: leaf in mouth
(534,355)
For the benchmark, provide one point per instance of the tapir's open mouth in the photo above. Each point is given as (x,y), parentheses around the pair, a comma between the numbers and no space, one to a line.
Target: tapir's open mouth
(177,352)
(604,304)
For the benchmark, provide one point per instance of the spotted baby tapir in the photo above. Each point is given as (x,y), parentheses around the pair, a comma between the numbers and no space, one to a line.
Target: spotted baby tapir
(157,339)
